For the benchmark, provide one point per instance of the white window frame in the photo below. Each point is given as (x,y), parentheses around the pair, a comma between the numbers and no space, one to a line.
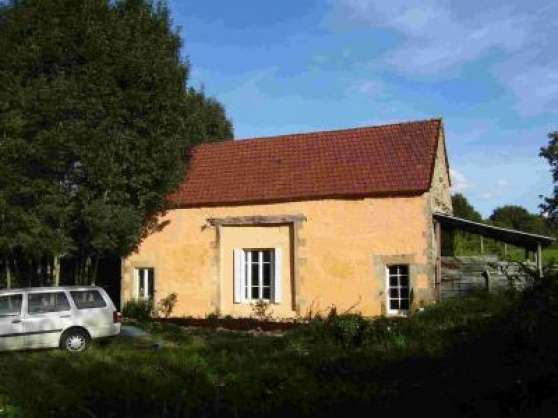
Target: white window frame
(137,277)
(388,287)
(243,275)
(247,289)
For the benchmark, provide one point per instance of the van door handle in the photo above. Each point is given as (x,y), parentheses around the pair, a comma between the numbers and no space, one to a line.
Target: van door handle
(16,321)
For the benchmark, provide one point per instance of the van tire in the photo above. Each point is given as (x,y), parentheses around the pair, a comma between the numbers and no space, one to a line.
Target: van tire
(75,340)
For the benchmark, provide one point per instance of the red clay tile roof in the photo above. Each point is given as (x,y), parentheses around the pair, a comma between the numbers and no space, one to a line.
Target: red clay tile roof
(380,160)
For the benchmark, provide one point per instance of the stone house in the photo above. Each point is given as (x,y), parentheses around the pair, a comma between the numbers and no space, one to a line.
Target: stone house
(305,221)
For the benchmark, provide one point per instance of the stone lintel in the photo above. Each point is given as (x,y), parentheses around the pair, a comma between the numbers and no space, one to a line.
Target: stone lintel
(257,220)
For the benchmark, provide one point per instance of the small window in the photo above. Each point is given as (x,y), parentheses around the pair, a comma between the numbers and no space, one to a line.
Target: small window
(145,282)
(398,286)
(259,274)
(10,305)
(47,302)
(88,299)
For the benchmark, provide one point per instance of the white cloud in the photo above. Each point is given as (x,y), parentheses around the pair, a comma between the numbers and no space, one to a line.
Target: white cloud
(435,39)
(459,183)
(502,183)
(534,85)
(438,37)
(372,87)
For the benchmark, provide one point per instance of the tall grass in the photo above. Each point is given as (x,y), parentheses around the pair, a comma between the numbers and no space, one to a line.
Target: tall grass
(485,355)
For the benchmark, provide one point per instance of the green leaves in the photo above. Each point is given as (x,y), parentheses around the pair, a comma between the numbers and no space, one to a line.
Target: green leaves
(550,153)
(95,122)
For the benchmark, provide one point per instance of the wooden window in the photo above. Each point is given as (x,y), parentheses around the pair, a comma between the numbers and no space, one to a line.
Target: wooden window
(398,289)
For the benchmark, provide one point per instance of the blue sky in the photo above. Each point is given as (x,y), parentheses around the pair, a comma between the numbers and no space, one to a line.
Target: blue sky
(490,69)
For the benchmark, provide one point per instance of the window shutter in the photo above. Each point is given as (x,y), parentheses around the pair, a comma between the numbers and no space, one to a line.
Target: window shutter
(239,275)
(135,284)
(277,276)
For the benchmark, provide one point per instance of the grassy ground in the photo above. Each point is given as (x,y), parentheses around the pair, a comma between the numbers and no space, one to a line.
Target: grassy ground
(487,355)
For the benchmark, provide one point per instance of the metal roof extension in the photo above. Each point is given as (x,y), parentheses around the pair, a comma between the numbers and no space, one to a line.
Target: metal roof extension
(510,236)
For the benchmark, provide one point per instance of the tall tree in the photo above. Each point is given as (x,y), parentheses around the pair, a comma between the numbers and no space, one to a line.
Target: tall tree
(550,153)
(517,217)
(96,121)
(463,209)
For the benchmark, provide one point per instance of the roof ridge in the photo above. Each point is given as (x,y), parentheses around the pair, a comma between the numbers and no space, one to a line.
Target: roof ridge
(238,141)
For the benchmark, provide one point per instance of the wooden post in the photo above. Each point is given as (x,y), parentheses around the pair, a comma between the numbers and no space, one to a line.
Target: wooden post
(505,250)
(482,245)
(487,279)
(438,269)
(539,260)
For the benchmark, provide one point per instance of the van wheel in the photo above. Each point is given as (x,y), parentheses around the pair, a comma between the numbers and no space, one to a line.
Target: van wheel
(75,341)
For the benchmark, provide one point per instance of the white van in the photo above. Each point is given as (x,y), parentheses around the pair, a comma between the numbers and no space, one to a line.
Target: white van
(47,317)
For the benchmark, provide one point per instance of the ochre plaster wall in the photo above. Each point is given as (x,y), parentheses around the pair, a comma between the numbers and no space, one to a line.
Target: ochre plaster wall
(337,256)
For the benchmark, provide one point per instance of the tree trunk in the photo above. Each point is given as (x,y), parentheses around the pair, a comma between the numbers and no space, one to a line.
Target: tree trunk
(76,271)
(95,270)
(17,272)
(8,273)
(87,275)
(56,270)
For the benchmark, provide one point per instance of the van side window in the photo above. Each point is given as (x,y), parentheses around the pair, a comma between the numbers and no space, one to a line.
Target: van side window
(47,302)
(87,299)
(10,305)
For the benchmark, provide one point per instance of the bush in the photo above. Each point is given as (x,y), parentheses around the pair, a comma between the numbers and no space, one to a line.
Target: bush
(140,310)
(347,329)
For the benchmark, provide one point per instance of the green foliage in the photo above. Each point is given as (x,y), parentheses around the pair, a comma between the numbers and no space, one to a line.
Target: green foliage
(487,355)
(455,242)
(96,124)
(550,153)
(517,217)
(460,243)
(167,304)
(346,330)
(140,310)
(463,209)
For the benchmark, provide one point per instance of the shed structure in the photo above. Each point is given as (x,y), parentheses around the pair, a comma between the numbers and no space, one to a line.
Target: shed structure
(531,242)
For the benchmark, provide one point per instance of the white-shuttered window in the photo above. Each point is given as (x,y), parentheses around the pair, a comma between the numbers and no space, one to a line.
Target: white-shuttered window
(257,275)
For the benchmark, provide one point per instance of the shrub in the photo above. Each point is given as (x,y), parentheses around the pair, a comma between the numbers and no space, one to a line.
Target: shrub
(140,310)
(261,310)
(347,329)
(167,304)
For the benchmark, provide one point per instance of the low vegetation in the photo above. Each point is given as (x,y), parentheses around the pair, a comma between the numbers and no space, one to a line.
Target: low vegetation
(487,355)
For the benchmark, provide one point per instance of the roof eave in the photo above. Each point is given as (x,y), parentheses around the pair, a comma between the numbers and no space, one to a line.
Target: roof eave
(247,202)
